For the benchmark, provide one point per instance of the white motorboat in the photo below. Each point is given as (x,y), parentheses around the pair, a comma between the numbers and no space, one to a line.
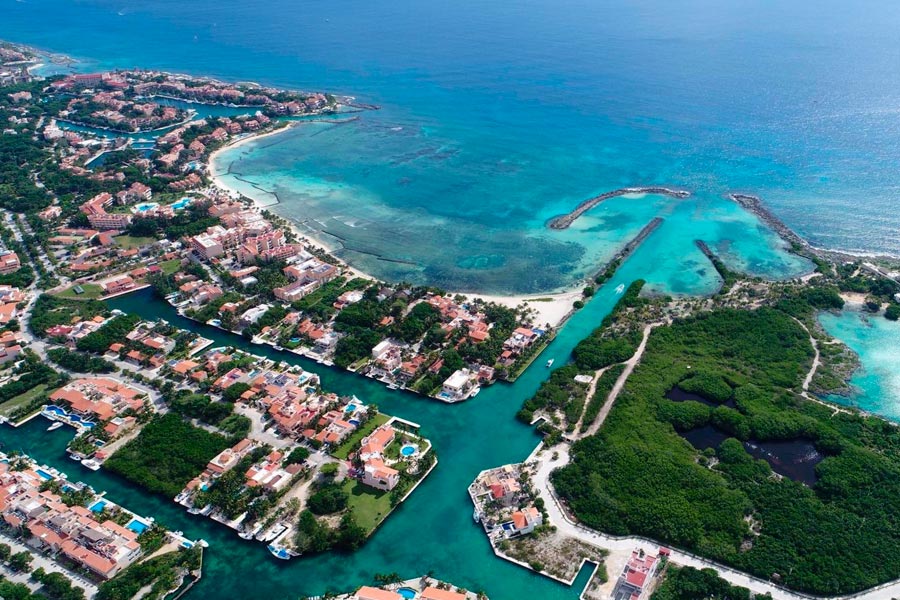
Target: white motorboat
(549,363)
(55,426)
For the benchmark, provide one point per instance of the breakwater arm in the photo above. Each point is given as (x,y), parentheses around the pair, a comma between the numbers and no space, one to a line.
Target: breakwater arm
(755,205)
(564,221)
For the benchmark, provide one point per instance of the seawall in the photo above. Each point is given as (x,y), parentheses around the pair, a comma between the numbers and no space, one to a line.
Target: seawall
(564,221)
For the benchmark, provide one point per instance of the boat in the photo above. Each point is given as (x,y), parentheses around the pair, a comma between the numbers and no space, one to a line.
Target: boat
(274,533)
(475,392)
(620,288)
(75,457)
(476,516)
(203,543)
(280,553)
(279,348)
(91,464)
(55,426)
(549,363)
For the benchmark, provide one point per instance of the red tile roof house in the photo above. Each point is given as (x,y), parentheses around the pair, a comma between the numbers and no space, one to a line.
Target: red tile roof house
(433,593)
(371,593)
(526,520)
(636,576)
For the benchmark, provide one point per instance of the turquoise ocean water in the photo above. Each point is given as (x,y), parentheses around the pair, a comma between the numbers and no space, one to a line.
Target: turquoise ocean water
(496,117)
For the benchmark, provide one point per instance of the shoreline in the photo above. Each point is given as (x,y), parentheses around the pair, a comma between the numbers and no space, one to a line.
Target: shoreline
(551,308)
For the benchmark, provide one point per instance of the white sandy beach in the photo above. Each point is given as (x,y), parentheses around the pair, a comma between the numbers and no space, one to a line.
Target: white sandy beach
(548,309)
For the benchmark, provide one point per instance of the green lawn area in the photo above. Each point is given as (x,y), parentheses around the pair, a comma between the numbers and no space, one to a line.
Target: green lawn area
(170,266)
(92,291)
(10,406)
(128,242)
(343,451)
(369,506)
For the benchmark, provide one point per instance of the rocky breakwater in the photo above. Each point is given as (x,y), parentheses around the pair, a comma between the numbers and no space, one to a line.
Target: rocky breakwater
(755,205)
(564,221)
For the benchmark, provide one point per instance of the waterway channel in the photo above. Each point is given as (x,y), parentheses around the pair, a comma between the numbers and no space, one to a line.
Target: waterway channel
(432,531)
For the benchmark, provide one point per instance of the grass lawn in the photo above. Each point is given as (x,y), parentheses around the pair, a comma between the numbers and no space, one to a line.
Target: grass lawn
(128,242)
(170,266)
(10,406)
(92,291)
(369,506)
(343,451)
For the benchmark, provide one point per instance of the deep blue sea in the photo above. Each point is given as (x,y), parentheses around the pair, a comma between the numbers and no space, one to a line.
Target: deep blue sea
(499,115)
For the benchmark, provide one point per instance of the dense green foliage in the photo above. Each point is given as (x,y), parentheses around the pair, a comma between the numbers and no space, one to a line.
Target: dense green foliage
(601,349)
(113,331)
(328,499)
(79,362)
(604,387)
(688,583)
(708,385)
(639,476)
(559,392)
(50,311)
(57,586)
(166,455)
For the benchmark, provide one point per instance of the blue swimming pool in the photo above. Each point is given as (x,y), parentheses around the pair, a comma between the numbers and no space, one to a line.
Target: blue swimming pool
(97,506)
(408,450)
(354,422)
(145,206)
(138,527)
(181,204)
(407,592)
(52,408)
(44,474)
(350,408)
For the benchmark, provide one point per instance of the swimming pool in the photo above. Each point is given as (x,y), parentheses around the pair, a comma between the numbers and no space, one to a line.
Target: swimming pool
(145,207)
(354,422)
(350,408)
(97,506)
(44,474)
(138,527)
(407,592)
(408,450)
(181,204)
(52,408)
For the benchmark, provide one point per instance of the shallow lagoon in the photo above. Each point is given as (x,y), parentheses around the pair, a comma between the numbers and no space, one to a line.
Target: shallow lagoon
(876,384)
(403,208)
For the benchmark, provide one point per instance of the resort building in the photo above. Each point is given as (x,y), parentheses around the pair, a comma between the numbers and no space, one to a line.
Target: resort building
(229,457)
(457,386)
(9,263)
(99,397)
(378,475)
(103,547)
(95,209)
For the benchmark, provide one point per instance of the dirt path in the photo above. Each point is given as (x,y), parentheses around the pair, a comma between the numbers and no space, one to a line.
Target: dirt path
(590,394)
(812,372)
(630,364)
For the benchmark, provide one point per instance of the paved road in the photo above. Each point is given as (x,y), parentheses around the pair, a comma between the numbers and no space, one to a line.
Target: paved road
(39,560)
(559,518)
